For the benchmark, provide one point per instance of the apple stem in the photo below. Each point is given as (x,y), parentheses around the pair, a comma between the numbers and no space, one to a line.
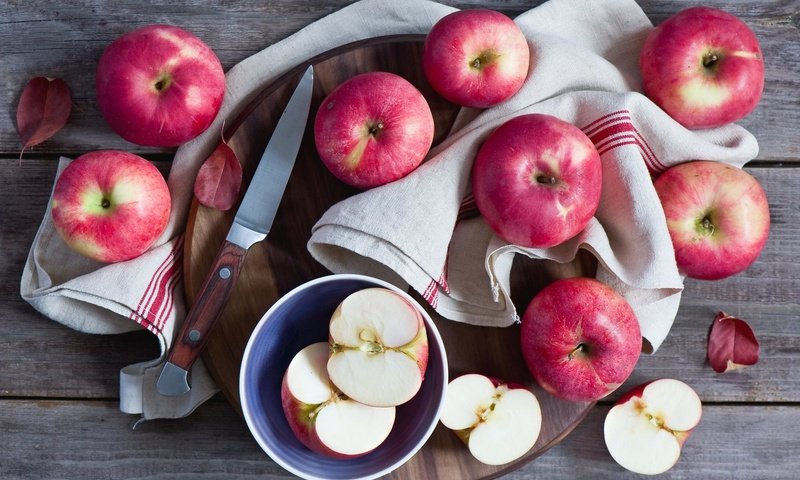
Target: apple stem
(546,179)
(710,59)
(483,59)
(708,226)
(162,83)
(375,129)
(581,348)
(105,203)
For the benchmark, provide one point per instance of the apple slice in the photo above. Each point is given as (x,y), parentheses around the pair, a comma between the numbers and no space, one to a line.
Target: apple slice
(321,417)
(379,348)
(499,422)
(645,430)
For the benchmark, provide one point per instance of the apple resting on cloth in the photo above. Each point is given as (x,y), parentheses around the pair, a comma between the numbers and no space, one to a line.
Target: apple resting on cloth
(717,216)
(321,417)
(373,129)
(110,205)
(537,180)
(476,57)
(646,429)
(498,421)
(379,348)
(704,67)
(159,86)
(580,339)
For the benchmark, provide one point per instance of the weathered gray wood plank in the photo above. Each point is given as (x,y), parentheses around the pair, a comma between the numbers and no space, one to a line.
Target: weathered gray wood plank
(47,371)
(37,38)
(90,440)
(59,362)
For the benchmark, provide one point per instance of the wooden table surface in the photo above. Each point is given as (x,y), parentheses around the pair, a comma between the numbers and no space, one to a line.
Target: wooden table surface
(59,408)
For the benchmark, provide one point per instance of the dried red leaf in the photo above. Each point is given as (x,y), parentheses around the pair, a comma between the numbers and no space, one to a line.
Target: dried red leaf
(43,110)
(731,344)
(219,180)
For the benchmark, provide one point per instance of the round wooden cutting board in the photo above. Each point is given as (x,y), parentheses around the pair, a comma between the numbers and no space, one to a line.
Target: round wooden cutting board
(281,262)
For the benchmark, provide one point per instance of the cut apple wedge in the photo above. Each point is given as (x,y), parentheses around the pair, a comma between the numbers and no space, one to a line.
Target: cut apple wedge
(379,348)
(646,429)
(498,422)
(321,417)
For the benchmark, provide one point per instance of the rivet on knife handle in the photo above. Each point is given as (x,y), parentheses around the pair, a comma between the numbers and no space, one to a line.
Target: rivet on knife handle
(210,302)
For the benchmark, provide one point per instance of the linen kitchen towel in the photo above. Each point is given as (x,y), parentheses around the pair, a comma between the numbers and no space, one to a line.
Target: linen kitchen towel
(583,70)
(147,292)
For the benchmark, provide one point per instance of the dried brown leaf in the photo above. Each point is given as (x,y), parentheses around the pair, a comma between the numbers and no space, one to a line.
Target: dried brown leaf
(731,344)
(44,108)
(219,179)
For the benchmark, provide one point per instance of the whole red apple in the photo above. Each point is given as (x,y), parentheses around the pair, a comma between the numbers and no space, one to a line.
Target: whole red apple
(580,339)
(704,67)
(717,216)
(537,180)
(159,85)
(373,129)
(476,58)
(110,205)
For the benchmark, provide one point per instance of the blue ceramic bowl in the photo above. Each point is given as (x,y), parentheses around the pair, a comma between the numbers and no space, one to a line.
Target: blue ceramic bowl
(298,319)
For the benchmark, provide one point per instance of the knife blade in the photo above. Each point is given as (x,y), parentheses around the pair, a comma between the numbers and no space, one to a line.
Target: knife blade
(251,224)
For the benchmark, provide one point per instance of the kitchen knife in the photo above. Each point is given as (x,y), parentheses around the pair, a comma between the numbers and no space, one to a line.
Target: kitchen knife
(250,225)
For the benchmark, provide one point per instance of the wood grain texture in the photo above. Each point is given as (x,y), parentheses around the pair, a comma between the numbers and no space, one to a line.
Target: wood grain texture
(47,372)
(66,42)
(282,262)
(55,439)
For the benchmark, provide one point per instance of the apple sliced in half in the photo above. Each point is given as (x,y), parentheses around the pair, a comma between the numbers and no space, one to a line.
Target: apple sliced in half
(499,422)
(645,430)
(379,348)
(321,417)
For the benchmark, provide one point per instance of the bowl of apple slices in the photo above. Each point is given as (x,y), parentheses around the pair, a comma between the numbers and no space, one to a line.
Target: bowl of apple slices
(343,377)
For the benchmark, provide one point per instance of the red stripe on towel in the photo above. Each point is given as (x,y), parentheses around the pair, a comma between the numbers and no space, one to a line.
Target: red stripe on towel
(607,131)
(144,313)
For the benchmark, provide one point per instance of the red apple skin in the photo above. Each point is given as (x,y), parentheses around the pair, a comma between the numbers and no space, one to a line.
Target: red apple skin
(717,216)
(680,75)
(580,339)
(476,58)
(373,129)
(537,180)
(110,205)
(303,426)
(159,85)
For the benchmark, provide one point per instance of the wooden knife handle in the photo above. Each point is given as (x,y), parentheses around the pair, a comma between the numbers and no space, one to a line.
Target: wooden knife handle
(208,306)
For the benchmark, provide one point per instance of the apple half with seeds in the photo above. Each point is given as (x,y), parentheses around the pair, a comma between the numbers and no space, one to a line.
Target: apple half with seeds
(379,347)
(321,417)
(646,429)
(498,421)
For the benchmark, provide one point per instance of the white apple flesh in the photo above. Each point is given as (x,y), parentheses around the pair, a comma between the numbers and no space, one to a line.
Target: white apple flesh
(645,431)
(498,422)
(321,417)
(379,347)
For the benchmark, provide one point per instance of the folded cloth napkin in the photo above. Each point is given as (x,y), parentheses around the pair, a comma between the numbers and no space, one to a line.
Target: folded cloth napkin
(147,292)
(584,70)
